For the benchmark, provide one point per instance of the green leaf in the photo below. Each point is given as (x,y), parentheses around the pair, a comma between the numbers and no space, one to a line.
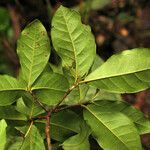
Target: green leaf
(33,49)
(9,88)
(73,41)
(142,123)
(50,88)
(63,125)
(79,141)
(33,141)
(10,113)
(126,72)
(3,126)
(77,95)
(15,144)
(28,107)
(112,130)
(104,95)
(98,61)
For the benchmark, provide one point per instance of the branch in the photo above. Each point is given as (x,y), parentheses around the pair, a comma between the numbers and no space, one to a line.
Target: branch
(10,52)
(15,21)
(47,130)
(65,95)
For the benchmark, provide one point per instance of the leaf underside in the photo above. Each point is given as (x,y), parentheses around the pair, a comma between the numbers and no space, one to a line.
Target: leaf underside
(33,48)
(126,72)
(112,130)
(72,40)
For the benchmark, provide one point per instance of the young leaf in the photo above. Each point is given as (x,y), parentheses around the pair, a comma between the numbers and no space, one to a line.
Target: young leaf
(126,72)
(33,49)
(142,123)
(112,130)
(3,126)
(9,88)
(73,41)
(79,141)
(33,141)
(50,88)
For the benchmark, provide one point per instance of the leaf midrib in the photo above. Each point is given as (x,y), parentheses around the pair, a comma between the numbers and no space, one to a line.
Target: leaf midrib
(74,49)
(32,61)
(116,75)
(106,127)
(64,127)
(13,89)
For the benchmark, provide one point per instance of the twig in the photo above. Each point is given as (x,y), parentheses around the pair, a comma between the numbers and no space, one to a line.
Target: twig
(36,100)
(10,52)
(49,9)
(15,21)
(47,130)
(65,95)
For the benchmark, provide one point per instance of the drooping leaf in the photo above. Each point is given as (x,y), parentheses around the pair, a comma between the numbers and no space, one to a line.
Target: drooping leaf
(10,113)
(3,126)
(33,141)
(9,88)
(142,123)
(79,141)
(112,130)
(73,41)
(33,49)
(126,72)
(50,88)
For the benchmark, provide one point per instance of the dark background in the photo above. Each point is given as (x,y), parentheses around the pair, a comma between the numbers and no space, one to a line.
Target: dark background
(116,24)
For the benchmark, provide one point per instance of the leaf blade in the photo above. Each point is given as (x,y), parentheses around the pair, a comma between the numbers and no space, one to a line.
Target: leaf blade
(126,72)
(3,126)
(71,48)
(122,133)
(9,88)
(50,87)
(142,123)
(33,48)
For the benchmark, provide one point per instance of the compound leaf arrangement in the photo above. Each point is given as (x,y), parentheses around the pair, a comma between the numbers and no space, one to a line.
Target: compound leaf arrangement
(70,105)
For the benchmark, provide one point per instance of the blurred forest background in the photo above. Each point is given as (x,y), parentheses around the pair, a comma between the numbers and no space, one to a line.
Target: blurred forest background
(116,24)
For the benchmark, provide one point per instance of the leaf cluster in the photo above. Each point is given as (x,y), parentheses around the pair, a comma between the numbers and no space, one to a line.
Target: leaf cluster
(76,100)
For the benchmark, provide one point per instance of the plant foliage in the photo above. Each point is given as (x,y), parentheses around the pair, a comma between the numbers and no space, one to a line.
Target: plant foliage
(67,106)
